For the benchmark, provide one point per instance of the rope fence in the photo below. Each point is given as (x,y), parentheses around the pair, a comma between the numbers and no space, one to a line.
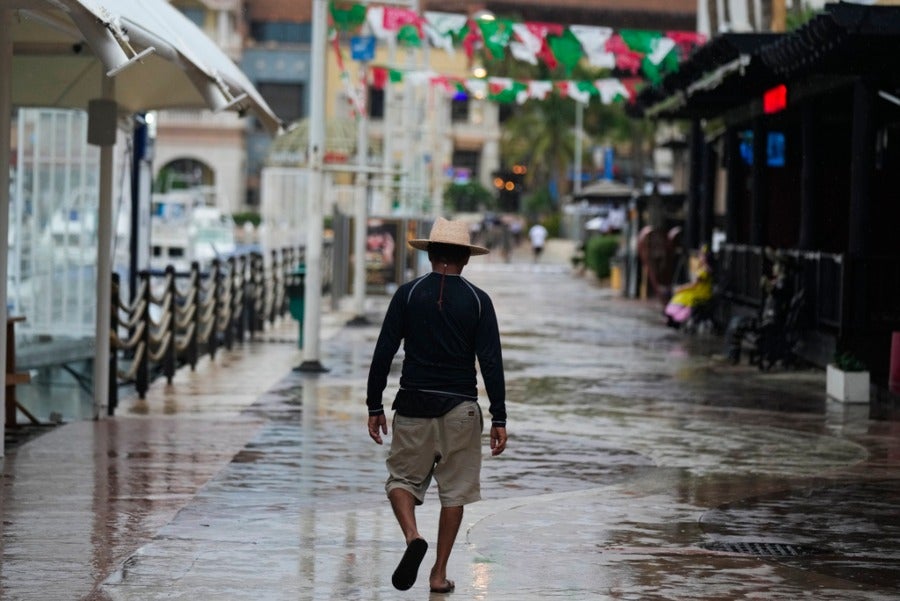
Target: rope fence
(174,319)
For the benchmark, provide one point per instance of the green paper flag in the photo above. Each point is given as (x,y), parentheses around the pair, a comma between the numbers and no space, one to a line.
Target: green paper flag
(348,17)
(660,52)
(408,35)
(496,35)
(395,75)
(655,72)
(640,40)
(506,92)
(567,49)
(587,87)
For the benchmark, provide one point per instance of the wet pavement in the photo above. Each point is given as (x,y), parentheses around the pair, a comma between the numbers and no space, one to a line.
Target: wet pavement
(639,467)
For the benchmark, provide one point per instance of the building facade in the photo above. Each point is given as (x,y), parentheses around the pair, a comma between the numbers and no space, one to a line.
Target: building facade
(195,147)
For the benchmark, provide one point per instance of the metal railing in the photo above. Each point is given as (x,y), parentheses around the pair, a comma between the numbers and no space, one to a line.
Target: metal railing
(176,318)
(820,275)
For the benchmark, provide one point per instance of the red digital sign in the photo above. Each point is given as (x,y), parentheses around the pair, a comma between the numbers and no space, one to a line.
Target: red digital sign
(775,100)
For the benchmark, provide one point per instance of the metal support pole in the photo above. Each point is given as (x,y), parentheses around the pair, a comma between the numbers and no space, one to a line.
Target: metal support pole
(6,51)
(360,211)
(312,316)
(104,271)
(579,131)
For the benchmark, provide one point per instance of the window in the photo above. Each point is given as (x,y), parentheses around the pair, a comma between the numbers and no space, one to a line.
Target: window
(459,109)
(376,103)
(466,161)
(280,31)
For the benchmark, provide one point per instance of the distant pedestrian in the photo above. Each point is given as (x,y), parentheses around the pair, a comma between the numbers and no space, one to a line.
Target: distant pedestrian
(538,236)
(515,228)
(445,324)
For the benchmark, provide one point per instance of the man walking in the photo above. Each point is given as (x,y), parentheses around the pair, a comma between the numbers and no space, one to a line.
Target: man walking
(445,323)
(538,235)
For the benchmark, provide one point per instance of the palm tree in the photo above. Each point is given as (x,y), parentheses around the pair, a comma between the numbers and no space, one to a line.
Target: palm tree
(540,136)
(541,133)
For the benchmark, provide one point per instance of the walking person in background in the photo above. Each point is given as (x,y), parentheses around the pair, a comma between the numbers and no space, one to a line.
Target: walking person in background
(538,236)
(445,323)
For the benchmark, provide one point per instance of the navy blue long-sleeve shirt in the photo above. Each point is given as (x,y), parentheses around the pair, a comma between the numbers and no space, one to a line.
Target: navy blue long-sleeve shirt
(440,343)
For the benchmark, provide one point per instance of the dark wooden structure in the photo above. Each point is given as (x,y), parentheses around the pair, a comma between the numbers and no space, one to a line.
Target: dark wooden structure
(802,133)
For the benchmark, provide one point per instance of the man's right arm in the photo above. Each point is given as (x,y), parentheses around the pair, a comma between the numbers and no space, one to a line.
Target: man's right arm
(385,348)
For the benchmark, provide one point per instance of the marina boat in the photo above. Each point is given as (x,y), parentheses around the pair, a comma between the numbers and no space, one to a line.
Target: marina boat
(185,226)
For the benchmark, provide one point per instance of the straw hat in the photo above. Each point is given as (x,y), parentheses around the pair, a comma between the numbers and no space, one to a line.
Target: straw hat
(449,232)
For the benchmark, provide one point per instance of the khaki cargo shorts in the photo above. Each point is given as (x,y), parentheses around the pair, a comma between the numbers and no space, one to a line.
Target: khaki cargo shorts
(447,448)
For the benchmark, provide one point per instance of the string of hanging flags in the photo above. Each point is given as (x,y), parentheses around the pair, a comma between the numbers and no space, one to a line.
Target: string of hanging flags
(644,54)
(508,90)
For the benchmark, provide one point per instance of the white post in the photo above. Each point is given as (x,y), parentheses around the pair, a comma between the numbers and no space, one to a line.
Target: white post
(579,129)
(437,151)
(387,141)
(360,209)
(409,142)
(6,50)
(104,270)
(312,316)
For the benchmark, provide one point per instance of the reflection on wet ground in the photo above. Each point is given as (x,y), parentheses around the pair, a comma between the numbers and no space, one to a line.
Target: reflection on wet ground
(637,464)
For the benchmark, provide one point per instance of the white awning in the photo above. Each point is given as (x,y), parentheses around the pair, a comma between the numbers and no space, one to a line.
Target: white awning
(158,57)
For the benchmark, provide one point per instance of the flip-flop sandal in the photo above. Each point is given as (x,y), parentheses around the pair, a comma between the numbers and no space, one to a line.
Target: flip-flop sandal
(408,568)
(448,588)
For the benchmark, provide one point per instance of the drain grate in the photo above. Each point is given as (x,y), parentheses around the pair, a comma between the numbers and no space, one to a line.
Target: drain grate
(765,549)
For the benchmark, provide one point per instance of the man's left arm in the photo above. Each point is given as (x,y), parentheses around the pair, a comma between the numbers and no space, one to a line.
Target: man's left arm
(385,348)
(490,360)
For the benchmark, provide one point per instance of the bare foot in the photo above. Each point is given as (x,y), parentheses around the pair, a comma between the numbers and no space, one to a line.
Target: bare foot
(446,586)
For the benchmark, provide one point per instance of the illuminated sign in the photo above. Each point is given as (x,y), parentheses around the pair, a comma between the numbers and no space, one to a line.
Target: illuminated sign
(775,100)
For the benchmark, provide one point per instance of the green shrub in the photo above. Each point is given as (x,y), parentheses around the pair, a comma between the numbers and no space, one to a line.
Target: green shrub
(538,202)
(847,361)
(598,251)
(553,223)
(246,217)
(468,197)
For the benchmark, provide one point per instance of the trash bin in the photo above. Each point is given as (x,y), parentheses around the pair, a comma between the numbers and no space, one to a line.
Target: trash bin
(616,269)
(295,289)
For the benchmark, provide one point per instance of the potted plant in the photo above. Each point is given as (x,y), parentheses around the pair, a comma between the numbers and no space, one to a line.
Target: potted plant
(847,379)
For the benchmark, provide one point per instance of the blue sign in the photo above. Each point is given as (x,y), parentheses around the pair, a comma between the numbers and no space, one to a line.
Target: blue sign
(608,162)
(362,48)
(775,148)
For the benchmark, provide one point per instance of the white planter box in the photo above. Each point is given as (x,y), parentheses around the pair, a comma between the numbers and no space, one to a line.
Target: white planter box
(847,386)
